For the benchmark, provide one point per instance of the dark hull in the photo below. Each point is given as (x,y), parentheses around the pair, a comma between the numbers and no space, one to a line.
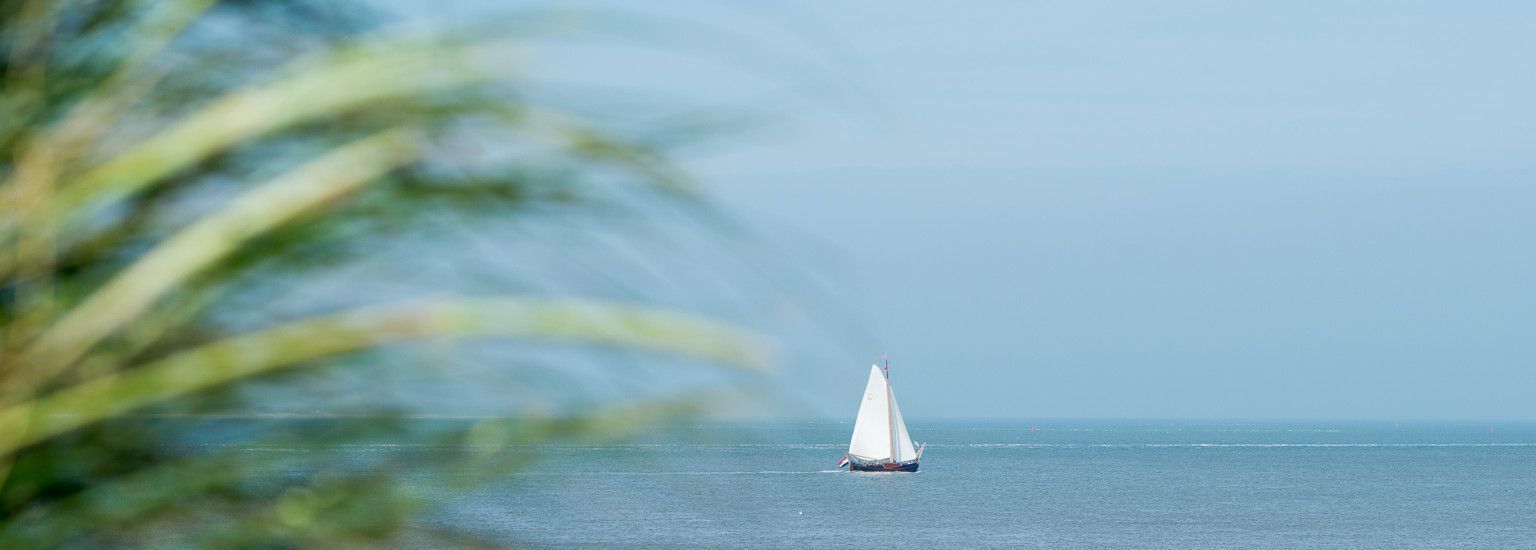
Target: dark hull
(882,467)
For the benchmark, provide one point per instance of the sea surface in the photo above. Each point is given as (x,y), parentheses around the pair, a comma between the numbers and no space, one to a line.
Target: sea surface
(1059,484)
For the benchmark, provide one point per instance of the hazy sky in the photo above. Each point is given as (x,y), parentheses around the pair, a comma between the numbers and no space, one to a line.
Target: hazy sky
(1135,209)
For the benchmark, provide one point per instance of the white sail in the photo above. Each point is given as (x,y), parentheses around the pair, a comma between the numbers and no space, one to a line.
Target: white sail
(904,450)
(879,433)
(872,428)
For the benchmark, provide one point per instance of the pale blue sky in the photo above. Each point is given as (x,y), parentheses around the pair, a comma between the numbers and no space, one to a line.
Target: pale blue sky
(1132,209)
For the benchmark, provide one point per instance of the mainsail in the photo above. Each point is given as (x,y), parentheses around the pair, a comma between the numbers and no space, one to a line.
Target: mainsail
(879,433)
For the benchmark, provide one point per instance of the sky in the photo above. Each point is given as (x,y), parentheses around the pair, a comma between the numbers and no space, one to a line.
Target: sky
(1299,210)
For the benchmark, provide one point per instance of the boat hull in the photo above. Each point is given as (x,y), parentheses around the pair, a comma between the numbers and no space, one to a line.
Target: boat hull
(883,467)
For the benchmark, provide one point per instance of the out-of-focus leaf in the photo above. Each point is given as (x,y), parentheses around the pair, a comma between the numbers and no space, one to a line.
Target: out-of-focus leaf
(128,82)
(294,343)
(586,141)
(205,242)
(323,88)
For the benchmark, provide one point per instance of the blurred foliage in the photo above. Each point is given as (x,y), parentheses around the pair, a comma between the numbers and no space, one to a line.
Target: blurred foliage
(163,158)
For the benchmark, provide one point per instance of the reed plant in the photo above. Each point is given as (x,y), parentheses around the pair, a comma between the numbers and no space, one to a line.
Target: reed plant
(165,164)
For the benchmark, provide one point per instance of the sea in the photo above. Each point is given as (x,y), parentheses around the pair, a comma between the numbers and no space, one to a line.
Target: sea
(1052,484)
(981,483)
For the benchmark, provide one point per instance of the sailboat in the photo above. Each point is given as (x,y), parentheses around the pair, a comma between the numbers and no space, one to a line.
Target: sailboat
(880,440)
